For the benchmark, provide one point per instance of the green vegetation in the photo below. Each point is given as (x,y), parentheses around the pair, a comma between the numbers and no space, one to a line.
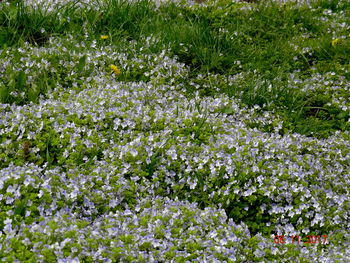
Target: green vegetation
(174,130)
(271,45)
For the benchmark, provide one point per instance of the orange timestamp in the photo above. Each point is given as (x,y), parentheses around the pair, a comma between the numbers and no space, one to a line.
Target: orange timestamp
(320,239)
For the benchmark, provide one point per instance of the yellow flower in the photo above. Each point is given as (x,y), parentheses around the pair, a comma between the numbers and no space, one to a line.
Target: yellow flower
(336,42)
(115,70)
(104,37)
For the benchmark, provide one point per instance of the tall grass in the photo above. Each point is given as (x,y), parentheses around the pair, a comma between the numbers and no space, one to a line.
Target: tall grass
(269,42)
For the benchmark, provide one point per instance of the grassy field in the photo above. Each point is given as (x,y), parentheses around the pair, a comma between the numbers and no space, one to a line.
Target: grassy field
(173,131)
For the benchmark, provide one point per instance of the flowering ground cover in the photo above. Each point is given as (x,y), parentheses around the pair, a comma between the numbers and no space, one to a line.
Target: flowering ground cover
(174,131)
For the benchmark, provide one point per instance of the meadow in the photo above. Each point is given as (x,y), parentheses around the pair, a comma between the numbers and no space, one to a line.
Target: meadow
(174,131)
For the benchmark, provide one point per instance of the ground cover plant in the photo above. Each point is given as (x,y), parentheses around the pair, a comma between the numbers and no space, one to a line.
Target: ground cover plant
(174,131)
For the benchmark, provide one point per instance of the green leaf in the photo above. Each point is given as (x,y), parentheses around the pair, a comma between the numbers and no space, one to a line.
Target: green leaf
(228,110)
(342,115)
(21,80)
(81,64)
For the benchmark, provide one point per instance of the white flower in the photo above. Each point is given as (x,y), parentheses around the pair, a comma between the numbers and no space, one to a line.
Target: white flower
(133,152)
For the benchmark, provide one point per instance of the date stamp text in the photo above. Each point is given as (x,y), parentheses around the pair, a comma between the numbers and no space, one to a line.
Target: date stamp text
(320,239)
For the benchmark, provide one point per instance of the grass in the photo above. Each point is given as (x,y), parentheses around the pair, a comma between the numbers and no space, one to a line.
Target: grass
(272,40)
(223,105)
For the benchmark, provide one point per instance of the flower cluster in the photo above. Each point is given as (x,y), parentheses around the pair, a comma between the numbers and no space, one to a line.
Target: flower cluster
(132,168)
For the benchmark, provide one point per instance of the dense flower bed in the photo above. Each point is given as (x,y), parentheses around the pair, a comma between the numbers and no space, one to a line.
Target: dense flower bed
(127,167)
